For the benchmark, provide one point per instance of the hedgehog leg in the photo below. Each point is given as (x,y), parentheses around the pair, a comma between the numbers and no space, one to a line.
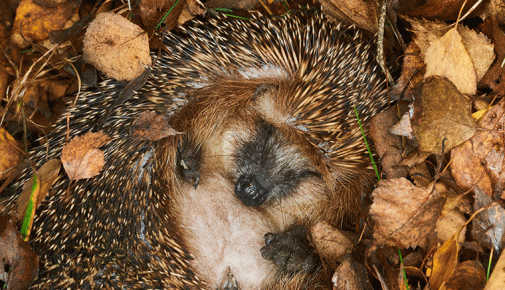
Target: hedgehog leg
(291,250)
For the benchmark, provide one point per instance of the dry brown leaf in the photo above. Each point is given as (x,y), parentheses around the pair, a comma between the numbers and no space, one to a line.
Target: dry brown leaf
(152,11)
(447,57)
(488,225)
(350,275)
(497,278)
(10,154)
(18,262)
(331,244)
(81,158)
(421,174)
(412,73)
(151,126)
(460,54)
(442,116)
(449,224)
(479,48)
(403,127)
(387,145)
(479,161)
(445,260)
(360,12)
(445,10)
(46,176)
(34,22)
(191,9)
(468,275)
(110,40)
(495,76)
(404,215)
(415,157)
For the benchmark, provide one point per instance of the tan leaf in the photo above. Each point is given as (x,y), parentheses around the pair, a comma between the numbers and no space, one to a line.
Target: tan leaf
(468,275)
(10,155)
(497,278)
(479,48)
(151,126)
(81,158)
(447,57)
(110,40)
(46,176)
(404,215)
(34,22)
(331,244)
(479,161)
(445,260)
(19,263)
(441,116)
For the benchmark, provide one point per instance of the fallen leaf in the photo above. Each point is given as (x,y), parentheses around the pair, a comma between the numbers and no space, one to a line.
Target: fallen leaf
(331,244)
(479,161)
(488,225)
(18,262)
(46,175)
(81,158)
(441,116)
(388,146)
(404,215)
(10,154)
(497,278)
(468,275)
(34,22)
(151,126)
(350,275)
(110,40)
(445,260)
(359,12)
(447,57)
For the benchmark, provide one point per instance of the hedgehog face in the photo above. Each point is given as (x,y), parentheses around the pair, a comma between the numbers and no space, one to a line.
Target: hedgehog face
(268,167)
(250,140)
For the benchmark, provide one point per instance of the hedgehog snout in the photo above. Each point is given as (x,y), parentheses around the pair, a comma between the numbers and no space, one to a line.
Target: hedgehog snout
(250,191)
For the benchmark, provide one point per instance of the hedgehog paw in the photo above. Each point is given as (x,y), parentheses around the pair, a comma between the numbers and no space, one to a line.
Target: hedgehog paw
(291,250)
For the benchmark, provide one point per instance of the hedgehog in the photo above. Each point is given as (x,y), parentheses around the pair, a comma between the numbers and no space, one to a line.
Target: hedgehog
(270,146)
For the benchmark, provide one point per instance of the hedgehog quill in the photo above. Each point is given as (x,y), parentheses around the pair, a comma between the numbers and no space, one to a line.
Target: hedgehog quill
(270,147)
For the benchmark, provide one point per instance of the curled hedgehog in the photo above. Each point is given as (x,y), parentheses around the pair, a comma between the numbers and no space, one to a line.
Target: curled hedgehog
(271,146)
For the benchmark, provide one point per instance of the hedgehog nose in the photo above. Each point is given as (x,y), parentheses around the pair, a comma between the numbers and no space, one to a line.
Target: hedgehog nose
(250,191)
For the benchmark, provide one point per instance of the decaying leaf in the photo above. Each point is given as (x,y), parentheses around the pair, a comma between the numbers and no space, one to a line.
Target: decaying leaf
(151,126)
(18,262)
(461,55)
(403,127)
(81,158)
(468,275)
(404,215)
(34,22)
(387,145)
(413,70)
(489,225)
(331,244)
(479,161)
(10,156)
(46,176)
(445,260)
(497,278)
(110,40)
(350,275)
(441,116)
(359,12)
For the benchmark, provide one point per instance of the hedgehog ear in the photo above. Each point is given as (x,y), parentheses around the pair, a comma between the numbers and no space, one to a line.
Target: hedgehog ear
(263,89)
